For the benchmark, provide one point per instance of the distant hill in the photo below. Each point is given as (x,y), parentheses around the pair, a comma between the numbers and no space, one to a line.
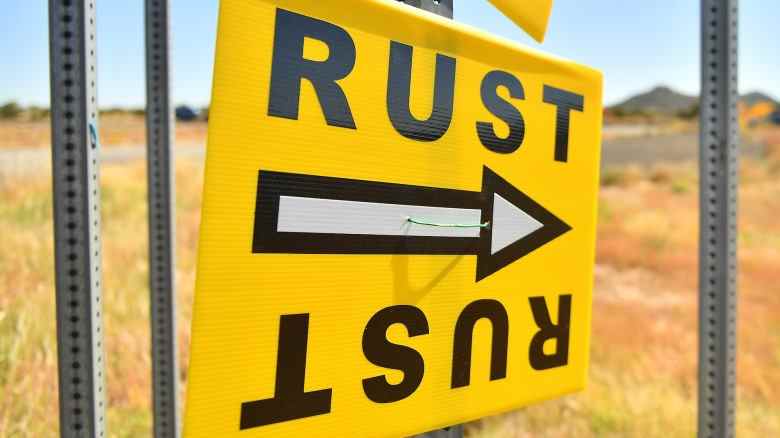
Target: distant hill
(659,100)
(754,97)
(666,101)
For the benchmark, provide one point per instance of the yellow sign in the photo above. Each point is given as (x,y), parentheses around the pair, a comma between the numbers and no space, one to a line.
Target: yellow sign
(398,226)
(531,16)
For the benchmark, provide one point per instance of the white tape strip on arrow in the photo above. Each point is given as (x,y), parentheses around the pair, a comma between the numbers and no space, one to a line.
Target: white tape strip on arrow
(332,216)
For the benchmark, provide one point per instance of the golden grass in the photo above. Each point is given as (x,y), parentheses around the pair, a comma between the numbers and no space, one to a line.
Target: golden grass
(643,373)
(644,352)
(28,382)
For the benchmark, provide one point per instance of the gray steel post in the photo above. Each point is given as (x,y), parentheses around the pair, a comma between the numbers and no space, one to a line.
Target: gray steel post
(160,173)
(718,218)
(75,162)
(439,7)
(450,432)
(443,8)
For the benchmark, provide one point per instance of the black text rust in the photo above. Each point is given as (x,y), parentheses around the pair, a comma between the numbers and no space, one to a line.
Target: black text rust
(291,400)
(289,68)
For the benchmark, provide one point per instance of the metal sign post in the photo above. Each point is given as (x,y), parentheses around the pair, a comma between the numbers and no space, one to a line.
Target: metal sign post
(75,160)
(439,7)
(443,8)
(718,218)
(160,172)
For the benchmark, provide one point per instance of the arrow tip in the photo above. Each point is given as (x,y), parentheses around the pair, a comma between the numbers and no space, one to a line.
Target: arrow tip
(518,225)
(510,224)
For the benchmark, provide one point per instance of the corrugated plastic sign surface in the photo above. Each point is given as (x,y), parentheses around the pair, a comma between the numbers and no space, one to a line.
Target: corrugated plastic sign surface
(398,224)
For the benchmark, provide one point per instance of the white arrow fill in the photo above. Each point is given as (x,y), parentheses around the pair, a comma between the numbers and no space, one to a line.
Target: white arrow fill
(510,224)
(334,216)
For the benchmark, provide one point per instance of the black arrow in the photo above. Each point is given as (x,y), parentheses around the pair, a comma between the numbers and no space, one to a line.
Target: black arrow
(307,214)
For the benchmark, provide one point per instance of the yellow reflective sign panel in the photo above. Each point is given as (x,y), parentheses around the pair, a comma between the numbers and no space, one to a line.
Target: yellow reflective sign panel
(398,224)
(532,16)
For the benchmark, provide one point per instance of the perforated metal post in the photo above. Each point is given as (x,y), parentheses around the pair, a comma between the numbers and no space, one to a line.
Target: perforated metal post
(75,161)
(160,172)
(718,219)
(440,7)
(443,8)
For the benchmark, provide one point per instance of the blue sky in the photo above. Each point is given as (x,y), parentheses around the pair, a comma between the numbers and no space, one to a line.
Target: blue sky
(637,44)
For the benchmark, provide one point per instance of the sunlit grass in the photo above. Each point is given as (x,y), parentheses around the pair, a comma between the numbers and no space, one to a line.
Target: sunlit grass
(644,353)
(28,382)
(643,373)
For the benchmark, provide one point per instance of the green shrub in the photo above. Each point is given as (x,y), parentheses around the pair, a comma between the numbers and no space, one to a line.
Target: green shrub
(10,110)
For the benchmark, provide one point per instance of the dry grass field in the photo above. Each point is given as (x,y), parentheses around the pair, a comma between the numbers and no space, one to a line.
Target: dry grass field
(644,352)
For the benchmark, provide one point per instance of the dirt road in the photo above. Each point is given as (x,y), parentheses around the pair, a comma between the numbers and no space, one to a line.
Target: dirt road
(667,148)
(643,151)
(26,161)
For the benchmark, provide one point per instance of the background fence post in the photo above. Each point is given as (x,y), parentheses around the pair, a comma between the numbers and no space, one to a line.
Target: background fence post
(444,8)
(162,222)
(718,218)
(75,161)
(439,7)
